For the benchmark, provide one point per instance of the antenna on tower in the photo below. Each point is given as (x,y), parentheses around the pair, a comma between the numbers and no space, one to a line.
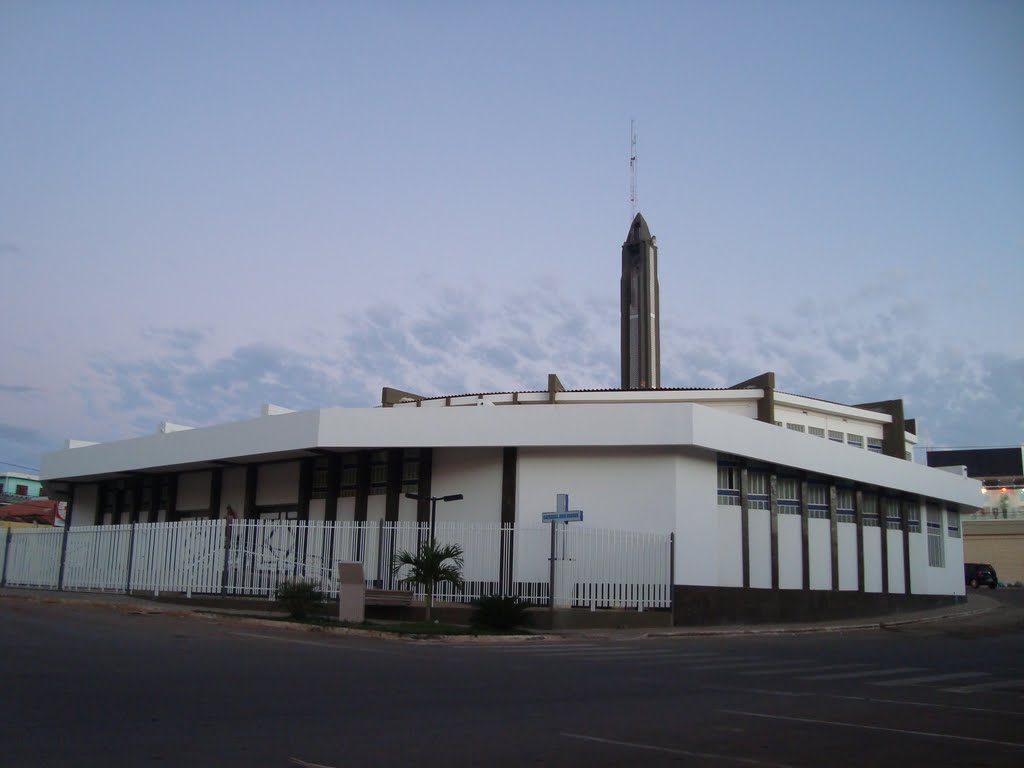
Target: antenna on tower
(632,169)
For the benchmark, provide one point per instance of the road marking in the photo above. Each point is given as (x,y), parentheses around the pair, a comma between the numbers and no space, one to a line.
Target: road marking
(989,686)
(863,673)
(861,726)
(333,646)
(809,669)
(673,751)
(304,764)
(932,678)
(863,699)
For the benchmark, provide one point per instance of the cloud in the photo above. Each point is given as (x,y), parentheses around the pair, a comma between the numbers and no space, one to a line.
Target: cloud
(19,389)
(464,342)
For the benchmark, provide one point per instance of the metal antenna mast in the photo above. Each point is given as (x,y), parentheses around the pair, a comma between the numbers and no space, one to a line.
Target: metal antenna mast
(632,169)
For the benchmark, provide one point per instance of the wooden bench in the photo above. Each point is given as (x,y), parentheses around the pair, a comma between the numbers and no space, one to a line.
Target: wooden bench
(396,597)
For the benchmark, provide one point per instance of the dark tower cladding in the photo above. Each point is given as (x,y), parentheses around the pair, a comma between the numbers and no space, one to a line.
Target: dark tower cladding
(641,345)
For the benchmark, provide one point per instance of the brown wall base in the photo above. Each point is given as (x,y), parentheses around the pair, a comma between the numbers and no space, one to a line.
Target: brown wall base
(705,606)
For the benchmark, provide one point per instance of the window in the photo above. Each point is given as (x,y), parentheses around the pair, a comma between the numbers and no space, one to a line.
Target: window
(778,423)
(21,490)
(875,444)
(816,431)
(378,473)
(411,472)
(319,479)
(936,552)
(757,493)
(788,496)
(836,437)
(845,512)
(953,523)
(857,441)
(728,485)
(795,427)
(893,521)
(913,517)
(869,511)
(817,501)
(349,476)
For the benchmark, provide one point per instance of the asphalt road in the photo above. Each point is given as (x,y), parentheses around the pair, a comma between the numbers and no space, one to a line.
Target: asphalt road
(86,686)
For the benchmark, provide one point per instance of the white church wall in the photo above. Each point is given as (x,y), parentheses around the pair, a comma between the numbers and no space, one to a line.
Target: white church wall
(760,548)
(730,554)
(819,544)
(407,509)
(376,507)
(624,488)
(232,491)
(476,474)
(895,550)
(738,408)
(919,583)
(193,491)
(278,483)
(317,510)
(846,539)
(873,559)
(791,562)
(347,508)
(697,519)
(83,510)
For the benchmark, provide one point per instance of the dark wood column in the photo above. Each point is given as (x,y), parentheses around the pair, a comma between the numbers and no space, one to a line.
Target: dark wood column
(883,522)
(773,503)
(305,488)
(745,525)
(905,518)
(252,474)
(858,508)
(396,458)
(333,488)
(509,463)
(172,497)
(136,499)
(805,537)
(833,534)
(101,503)
(69,510)
(362,486)
(216,483)
(115,517)
(425,482)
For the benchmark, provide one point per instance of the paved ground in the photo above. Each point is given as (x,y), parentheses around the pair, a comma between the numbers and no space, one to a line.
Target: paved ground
(87,686)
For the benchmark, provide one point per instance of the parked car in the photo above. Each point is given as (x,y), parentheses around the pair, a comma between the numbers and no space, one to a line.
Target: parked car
(976,574)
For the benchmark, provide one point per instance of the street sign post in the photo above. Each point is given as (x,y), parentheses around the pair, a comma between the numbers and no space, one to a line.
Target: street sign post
(564,515)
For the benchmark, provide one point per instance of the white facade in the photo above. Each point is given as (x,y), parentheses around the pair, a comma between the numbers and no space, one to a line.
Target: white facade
(642,461)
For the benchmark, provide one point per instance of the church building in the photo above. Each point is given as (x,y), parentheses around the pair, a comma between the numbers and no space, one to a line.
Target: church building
(782,506)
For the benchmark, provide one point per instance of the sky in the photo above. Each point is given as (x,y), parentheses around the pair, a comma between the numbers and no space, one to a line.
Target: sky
(205,207)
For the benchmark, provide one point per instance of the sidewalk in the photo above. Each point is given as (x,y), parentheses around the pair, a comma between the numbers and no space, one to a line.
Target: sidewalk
(976,603)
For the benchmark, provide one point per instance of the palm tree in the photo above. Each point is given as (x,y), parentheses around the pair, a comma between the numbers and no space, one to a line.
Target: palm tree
(430,565)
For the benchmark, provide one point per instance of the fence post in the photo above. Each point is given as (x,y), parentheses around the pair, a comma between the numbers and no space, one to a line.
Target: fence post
(672,572)
(7,556)
(227,555)
(131,553)
(63,556)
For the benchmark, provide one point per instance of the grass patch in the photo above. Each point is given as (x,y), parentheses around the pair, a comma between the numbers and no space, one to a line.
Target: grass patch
(401,628)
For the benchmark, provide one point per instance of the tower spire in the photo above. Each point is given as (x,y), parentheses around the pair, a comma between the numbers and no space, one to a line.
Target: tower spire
(632,168)
(640,320)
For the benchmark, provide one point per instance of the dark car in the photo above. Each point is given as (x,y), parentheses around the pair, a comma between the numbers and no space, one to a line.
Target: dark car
(976,574)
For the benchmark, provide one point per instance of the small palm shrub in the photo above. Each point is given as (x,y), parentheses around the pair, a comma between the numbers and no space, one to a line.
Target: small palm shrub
(430,564)
(500,612)
(300,598)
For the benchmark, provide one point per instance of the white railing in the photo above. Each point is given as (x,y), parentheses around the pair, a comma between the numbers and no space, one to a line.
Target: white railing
(594,568)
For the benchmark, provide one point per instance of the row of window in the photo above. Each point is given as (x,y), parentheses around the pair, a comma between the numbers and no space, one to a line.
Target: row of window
(874,510)
(873,444)
(378,475)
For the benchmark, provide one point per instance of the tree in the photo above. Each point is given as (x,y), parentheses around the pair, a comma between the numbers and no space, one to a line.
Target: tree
(431,564)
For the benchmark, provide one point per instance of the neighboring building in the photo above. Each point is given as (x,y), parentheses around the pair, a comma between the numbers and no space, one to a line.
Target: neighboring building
(34,512)
(17,486)
(994,532)
(782,506)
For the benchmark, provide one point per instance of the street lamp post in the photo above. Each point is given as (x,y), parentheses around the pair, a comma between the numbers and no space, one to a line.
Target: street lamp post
(433,506)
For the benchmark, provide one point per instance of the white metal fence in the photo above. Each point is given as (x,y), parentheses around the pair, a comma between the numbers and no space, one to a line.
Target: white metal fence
(591,567)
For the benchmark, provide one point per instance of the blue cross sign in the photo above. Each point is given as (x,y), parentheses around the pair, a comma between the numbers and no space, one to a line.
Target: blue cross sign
(562,513)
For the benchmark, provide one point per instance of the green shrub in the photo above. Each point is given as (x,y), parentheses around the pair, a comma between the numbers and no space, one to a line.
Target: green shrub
(500,612)
(300,598)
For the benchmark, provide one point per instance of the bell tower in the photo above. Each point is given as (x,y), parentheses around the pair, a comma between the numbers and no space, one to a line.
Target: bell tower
(640,337)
